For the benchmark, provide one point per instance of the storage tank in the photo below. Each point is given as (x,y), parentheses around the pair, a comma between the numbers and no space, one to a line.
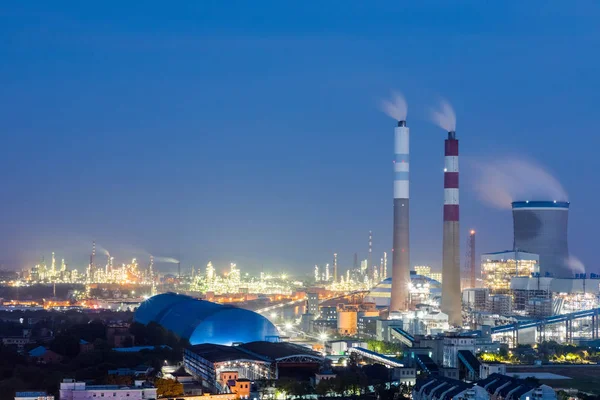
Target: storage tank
(347,322)
(540,227)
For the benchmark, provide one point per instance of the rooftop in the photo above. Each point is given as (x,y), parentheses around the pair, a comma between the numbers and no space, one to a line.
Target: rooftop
(31,394)
(253,351)
(540,204)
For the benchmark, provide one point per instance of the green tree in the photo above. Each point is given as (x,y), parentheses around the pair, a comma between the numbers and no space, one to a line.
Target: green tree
(168,388)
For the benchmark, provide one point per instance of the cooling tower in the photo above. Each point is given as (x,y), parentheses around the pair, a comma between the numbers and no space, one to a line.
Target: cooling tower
(540,227)
(400,249)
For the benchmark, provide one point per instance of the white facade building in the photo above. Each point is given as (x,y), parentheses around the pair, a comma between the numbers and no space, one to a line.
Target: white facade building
(72,390)
(452,345)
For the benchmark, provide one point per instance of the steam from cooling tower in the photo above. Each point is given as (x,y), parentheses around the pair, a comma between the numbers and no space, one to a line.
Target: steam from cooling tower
(168,260)
(575,264)
(444,117)
(499,183)
(395,107)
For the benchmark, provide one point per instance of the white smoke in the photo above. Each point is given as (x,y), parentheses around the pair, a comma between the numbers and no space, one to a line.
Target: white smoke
(169,260)
(101,249)
(499,183)
(444,117)
(396,107)
(575,264)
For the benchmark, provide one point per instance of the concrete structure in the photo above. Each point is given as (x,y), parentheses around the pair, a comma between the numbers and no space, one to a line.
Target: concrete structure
(540,227)
(405,375)
(452,346)
(201,321)
(312,304)
(451,303)
(72,390)
(587,284)
(500,304)
(475,298)
(401,248)
(497,269)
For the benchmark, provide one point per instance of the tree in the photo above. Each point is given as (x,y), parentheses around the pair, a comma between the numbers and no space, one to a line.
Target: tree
(168,388)
(324,387)
(65,344)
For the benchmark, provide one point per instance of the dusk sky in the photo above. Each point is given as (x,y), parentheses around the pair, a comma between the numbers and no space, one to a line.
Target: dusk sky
(251,131)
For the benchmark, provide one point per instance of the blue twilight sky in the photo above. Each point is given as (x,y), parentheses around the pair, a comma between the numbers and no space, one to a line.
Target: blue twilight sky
(250,131)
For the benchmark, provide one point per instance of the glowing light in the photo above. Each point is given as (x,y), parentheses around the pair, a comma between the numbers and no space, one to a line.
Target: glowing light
(323,336)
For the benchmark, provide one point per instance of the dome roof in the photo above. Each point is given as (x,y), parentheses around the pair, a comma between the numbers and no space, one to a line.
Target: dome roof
(381,294)
(202,321)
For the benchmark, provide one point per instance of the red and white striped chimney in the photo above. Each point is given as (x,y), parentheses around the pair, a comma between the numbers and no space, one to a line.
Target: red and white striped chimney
(451,302)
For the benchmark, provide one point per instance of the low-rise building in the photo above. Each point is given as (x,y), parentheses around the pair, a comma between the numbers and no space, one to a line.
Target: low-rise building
(441,388)
(73,390)
(453,345)
(405,375)
(33,396)
(42,355)
(506,387)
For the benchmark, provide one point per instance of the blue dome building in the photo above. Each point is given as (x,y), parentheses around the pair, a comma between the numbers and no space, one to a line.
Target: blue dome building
(201,321)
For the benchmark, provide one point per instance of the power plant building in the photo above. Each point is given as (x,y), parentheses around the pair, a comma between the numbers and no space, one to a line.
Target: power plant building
(497,269)
(540,227)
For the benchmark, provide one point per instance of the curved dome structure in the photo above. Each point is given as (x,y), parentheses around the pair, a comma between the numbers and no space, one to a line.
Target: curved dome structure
(381,294)
(201,321)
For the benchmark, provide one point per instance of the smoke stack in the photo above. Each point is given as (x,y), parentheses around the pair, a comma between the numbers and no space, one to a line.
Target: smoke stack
(335,267)
(369,261)
(179,269)
(400,249)
(451,302)
(540,227)
(473,257)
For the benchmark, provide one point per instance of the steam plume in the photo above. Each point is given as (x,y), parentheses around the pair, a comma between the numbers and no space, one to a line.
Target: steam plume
(575,264)
(499,183)
(169,260)
(101,249)
(444,117)
(395,107)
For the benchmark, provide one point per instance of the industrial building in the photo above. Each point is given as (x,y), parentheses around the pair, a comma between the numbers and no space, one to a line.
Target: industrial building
(201,321)
(255,360)
(497,269)
(381,293)
(540,227)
